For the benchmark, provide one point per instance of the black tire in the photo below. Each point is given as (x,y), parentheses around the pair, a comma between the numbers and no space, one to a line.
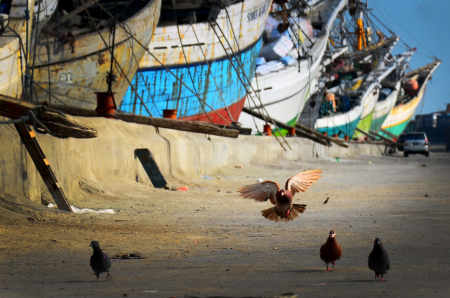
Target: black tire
(405,154)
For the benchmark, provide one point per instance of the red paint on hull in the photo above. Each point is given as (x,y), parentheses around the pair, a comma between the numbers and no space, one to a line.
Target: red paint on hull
(235,111)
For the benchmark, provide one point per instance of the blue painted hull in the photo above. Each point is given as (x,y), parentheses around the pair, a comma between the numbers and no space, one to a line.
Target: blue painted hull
(341,130)
(160,90)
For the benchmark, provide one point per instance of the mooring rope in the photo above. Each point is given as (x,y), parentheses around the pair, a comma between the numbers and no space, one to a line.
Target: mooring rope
(39,127)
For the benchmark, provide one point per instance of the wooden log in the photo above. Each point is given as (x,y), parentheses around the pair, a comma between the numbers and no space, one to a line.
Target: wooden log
(382,137)
(365,133)
(28,138)
(388,133)
(189,126)
(242,130)
(13,108)
(280,124)
(321,136)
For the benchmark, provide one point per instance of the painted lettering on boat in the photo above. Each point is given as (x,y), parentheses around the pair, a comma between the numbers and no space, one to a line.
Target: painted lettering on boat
(251,16)
(65,77)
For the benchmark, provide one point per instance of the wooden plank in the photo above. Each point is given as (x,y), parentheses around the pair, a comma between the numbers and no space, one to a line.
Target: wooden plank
(388,133)
(151,168)
(28,138)
(280,124)
(382,137)
(365,133)
(337,141)
(189,126)
(242,130)
(14,108)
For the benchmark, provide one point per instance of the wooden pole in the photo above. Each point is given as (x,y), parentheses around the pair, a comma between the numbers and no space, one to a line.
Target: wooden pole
(382,137)
(299,132)
(321,136)
(388,133)
(190,126)
(28,138)
(365,133)
(13,108)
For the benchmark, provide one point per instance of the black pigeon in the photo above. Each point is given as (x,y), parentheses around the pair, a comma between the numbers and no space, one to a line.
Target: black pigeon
(379,260)
(99,261)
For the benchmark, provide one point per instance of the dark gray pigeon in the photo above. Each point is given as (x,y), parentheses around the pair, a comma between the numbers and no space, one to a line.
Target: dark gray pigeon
(99,261)
(379,260)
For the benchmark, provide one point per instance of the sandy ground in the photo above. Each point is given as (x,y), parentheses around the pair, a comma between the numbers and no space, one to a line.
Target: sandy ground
(210,242)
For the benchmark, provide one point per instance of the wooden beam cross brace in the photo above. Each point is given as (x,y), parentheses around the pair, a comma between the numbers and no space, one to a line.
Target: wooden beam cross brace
(28,137)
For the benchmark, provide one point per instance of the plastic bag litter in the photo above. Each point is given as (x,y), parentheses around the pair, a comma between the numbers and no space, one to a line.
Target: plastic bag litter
(86,210)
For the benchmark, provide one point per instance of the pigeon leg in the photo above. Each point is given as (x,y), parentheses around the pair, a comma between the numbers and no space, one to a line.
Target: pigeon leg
(376,276)
(108,276)
(98,275)
(334,263)
(328,269)
(381,278)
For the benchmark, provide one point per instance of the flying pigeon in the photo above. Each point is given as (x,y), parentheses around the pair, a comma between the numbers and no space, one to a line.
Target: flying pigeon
(284,209)
(331,251)
(379,260)
(99,261)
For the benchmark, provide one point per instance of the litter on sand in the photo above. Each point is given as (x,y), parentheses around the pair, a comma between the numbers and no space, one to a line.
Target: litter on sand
(86,210)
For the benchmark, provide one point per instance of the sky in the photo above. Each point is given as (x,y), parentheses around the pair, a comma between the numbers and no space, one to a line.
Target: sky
(422,24)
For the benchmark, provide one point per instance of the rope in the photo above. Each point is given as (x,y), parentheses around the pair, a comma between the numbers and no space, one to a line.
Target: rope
(249,82)
(112,57)
(210,72)
(39,127)
(187,66)
(412,36)
(157,60)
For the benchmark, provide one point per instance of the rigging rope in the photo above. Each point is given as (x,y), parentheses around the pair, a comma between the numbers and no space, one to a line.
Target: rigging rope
(187,68)
(210,72)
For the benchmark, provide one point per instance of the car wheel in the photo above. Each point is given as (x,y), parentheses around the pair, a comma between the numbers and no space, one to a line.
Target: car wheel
(405,154)
(427,154)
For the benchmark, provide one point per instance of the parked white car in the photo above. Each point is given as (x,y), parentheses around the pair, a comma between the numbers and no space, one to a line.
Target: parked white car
(416,143)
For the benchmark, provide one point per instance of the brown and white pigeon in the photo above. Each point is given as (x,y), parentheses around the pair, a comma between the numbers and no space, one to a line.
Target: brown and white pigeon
(99,261)
(284,209)
(331,251)
(379,260)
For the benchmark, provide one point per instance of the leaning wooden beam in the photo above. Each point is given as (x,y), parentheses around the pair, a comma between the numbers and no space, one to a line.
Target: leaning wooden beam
(190,126)
(388,133)
(58,124)
(321,136)
(382,137)
(28,138)
(280,124)
(366,134)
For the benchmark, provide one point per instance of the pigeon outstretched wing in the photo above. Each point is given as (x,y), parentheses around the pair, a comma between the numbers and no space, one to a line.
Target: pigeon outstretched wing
(260,192)
(302,181)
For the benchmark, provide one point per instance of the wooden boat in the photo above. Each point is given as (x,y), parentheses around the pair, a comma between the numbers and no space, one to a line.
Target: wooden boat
(385,104)
(369,102)
(196,41)
(10,52)
(72,60)
(362,96)
(406,105)
(284,91)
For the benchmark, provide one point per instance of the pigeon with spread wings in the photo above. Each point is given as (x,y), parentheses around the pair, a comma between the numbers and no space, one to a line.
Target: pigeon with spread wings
(284,209)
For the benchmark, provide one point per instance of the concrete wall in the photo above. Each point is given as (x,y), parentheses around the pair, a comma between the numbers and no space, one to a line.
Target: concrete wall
(110,157)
